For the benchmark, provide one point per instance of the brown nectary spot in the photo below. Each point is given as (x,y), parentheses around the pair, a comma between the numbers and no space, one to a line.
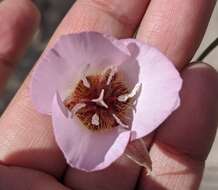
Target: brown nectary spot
(112,90)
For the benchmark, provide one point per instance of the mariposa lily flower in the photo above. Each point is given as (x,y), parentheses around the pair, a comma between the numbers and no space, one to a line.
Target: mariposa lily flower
(102,93)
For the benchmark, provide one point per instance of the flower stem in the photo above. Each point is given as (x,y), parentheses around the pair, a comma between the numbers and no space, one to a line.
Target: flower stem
(208,50)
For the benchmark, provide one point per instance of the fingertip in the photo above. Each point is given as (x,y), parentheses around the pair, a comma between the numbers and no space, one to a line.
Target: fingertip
(204,74)
(19,21)
(26,12)
(29,17)
(33,12)
(202,67)
(193,126)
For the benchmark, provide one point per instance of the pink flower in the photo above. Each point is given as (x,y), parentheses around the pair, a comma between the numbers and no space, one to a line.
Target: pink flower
(102,93)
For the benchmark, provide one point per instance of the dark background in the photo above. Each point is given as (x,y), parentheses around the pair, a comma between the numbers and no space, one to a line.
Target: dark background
(52,12)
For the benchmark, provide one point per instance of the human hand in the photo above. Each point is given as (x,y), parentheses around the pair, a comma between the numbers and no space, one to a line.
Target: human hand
(29,155)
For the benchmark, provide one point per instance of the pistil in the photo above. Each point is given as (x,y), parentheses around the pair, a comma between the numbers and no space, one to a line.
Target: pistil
(100,100)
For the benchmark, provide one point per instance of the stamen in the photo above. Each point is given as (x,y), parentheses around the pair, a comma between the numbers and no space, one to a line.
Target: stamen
(112,73)
(120,122)
(76,108)
(95,119)
(86,82)
(100,100)
(84,79)
(134,105)
(125,97)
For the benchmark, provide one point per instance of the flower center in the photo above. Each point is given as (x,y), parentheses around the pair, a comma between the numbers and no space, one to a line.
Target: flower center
(103,101)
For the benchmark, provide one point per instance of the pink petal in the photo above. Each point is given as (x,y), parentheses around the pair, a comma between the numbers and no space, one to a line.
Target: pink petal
(159,95)
(63,65)
(130,67)
(84,149)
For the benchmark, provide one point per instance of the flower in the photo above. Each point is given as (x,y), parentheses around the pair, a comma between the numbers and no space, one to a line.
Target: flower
(102,93)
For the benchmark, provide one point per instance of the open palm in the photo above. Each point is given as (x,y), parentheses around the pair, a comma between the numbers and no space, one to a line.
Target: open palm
(29,156)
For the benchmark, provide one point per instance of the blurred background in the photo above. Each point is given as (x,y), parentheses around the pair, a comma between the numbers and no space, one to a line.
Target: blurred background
(52,12)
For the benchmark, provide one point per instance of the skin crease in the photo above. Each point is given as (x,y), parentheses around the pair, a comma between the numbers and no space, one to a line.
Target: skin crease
(26,139)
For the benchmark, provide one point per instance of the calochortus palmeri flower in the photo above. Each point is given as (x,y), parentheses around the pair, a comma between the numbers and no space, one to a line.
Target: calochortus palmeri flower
(102,93)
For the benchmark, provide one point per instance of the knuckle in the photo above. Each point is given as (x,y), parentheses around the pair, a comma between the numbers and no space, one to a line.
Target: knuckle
(112,9)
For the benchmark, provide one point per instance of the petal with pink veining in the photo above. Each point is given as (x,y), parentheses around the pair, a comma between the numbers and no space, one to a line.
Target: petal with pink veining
(83,148)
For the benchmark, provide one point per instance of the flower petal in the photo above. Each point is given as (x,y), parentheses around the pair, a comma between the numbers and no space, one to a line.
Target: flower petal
(84,149)
(130,68)
(62,66)
(159,95)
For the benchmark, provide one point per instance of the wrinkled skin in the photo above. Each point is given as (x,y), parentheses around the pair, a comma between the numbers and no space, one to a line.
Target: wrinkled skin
(29,156)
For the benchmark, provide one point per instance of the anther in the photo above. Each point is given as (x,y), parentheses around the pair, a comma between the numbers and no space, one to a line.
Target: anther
(84,79)
(125,97)
(112,73)
(76,108)
(95,119)
(120,122)
(86,82)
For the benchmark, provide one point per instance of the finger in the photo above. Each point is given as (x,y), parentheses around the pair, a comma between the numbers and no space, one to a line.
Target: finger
(18,23)
(176,27)
(20,138)
(26,137)
(119,18)
(184,141)
(12,178)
